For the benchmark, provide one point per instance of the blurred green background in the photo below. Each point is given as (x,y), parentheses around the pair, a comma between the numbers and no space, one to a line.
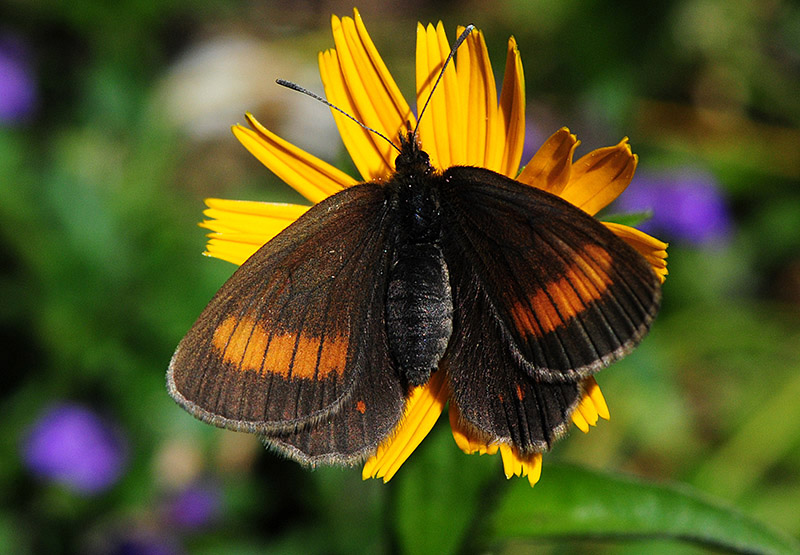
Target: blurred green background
(114,125)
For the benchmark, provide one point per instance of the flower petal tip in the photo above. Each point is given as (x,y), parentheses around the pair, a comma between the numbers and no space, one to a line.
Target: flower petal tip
(512,44)
(535,471)
(580,422)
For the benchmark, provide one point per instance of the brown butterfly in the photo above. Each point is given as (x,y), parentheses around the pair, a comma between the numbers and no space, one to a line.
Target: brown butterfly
(316,341)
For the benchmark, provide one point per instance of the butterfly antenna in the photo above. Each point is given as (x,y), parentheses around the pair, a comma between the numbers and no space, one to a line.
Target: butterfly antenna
(461,38)
(315,96)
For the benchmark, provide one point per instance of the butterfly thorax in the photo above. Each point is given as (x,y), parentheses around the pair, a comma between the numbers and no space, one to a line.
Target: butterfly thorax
(419,307)
(414,196)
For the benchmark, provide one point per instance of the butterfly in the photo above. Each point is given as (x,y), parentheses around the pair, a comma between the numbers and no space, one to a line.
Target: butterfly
(316,342)
(317,339)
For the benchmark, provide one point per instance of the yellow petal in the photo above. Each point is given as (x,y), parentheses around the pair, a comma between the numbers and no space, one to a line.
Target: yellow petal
(391,105)
(516,464)
(467,438)
(511,113)
(366,156)
(357,80)
(551,166)
(313,178)
(470,441)
(455,112)
(587,409)
(423,408)
(441,129)
(600,176)
(591,406)
(249,216)
(230,251)
(240,227)
(653,250)
(580,421)
(592,391)
(534,468)
(478,95)
(511,464)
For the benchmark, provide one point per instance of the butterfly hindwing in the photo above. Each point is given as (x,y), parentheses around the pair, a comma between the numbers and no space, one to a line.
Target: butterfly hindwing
(295,335)
(354,431)
(493,394)
(550,294)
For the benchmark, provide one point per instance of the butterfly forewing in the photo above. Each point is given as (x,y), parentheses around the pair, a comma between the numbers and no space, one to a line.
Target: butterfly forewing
(289,338)
(570,295)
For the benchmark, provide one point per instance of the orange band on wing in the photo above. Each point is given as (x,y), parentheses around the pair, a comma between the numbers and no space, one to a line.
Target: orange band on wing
(584,281)
(247,345)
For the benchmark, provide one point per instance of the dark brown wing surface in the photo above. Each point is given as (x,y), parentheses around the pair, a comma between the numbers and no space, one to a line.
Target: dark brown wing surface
(295,338)
(543,295)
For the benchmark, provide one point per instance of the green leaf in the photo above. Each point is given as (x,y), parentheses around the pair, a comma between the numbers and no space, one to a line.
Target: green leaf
(576,502)
(439,493)
(631,219)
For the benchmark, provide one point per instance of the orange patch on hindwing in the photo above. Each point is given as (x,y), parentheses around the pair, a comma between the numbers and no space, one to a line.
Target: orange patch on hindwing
(249,346)
(585,280)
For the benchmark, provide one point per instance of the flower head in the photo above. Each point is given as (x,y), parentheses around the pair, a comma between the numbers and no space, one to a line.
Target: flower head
(195,506)
(72,445)
(466,124)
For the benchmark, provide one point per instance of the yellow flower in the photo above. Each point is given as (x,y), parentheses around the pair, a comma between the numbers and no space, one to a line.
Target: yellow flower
(466,124)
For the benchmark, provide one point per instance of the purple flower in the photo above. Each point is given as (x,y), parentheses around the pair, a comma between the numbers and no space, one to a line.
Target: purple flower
(196,506)
(72,445)
(18,94)
(145,545)
(134,538)
(687,206)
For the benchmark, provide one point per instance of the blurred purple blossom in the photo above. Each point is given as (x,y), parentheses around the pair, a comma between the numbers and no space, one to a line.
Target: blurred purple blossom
(18,96)
(133,538)
(196,506)
(534,138)
(687,206)
(72,445)
(144,545)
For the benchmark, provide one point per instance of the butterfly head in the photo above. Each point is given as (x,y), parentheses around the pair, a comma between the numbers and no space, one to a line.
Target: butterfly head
(412,160)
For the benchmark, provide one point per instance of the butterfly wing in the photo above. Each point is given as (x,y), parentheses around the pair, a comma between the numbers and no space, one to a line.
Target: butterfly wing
(294,340)
(543,295)
(355,430)
(494,394)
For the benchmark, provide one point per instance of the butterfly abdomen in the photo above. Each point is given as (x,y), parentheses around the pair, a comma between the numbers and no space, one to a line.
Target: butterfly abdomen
(419,305)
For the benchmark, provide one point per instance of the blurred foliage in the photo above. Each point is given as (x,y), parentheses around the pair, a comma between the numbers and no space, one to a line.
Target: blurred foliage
(101,187)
